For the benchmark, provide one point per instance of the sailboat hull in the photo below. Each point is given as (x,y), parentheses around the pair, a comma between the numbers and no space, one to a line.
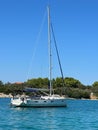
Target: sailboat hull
(39,103)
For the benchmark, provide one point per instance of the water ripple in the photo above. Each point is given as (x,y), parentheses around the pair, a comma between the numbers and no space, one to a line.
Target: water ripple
(79,115)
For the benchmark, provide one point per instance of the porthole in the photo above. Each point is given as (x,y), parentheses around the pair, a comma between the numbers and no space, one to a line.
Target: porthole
(36,101)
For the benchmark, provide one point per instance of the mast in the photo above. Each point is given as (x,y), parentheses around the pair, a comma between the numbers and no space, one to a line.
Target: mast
(50,55)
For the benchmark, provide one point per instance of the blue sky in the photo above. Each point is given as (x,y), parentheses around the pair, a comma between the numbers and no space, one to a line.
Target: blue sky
(23,39)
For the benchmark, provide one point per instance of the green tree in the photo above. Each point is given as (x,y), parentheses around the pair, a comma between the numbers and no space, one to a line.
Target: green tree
(38,83)
(95,84)
(1,83)
(73,83)
(95,88)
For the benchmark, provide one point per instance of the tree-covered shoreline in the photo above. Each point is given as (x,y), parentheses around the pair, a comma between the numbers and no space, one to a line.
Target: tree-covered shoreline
(71,88)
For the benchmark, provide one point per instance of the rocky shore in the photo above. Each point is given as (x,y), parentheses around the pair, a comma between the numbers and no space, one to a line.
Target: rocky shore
(2,95)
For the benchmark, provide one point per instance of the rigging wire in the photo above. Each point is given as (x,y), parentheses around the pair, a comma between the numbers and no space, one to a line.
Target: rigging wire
(36,45)
(58,55)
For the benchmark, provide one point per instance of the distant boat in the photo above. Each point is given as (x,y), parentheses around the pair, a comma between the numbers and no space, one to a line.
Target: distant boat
(48,100)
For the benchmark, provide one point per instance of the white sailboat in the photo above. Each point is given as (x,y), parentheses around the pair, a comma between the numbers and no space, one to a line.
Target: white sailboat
(50,100)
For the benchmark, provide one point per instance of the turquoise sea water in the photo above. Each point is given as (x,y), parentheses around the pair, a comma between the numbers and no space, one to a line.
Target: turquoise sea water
(78,115)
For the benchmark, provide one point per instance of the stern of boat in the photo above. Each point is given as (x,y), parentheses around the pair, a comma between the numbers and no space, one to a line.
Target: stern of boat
(17,101)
